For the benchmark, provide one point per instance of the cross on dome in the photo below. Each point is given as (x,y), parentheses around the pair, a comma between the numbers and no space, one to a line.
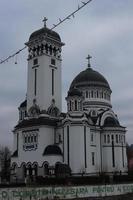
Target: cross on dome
(44,21)
(88,58)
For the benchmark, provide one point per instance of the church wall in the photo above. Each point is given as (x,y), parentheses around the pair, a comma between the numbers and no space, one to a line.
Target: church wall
(45,137)
(77,150)
(120,158)
(94,153)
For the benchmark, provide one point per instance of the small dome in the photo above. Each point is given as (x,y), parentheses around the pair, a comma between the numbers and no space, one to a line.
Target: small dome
(45,31)
(52,150)
(111,122)
(23,104)
(74,92)
(89,77)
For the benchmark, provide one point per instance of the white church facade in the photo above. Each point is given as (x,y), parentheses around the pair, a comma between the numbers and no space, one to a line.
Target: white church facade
(88,139)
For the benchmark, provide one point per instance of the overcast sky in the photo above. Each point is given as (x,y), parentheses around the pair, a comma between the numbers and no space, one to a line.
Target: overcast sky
(103,29)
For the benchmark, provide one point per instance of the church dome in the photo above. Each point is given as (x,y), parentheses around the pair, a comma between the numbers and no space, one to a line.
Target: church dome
(89,77)
(23,104)
(74,92)
(111,122)
(45,31)
(52,150)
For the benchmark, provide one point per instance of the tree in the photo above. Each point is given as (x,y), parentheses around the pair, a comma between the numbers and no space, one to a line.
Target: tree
(5,159)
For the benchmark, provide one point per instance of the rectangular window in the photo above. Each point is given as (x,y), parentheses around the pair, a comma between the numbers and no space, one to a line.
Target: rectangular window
(93,158)
(35,61)
(30,141)
(52,61)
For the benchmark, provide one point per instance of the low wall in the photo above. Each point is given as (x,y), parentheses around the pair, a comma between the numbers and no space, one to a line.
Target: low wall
(66,192)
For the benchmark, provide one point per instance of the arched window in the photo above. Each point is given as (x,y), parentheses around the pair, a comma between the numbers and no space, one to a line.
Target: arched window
(35,170)
(24,171)
(46,169)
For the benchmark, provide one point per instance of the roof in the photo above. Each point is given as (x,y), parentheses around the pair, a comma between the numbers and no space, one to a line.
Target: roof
(45,31)
(23,104)
(111,122)
(52,150)
(37,122)
(89,77)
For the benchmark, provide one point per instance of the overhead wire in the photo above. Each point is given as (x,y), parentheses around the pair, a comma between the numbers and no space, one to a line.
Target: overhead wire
(53,27)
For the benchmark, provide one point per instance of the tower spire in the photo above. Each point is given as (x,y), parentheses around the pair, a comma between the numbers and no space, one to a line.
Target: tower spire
(88,58)
(44,21)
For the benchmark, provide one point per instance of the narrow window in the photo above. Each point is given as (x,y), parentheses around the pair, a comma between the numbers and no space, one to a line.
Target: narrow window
(119,138)
(97,94)
(113,154)
(76,105)
(112,137)
(116,138)
(93,158)
(52,82)
(92,94)
(28,139)
(102,95)
(70,106)
(35,83)
(86,94)
(104,138)
(31,139)
(108,138)
(25,139)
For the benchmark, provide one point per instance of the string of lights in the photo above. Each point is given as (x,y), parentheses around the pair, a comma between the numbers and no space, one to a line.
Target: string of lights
(53,27)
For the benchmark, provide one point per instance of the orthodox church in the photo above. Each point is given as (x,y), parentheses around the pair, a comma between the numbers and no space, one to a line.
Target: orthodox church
(86,140)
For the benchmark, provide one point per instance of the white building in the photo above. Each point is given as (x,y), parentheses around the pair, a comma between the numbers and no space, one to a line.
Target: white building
(88,139)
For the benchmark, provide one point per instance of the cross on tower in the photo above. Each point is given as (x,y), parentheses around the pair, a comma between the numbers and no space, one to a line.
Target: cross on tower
(44,21)
(88,58)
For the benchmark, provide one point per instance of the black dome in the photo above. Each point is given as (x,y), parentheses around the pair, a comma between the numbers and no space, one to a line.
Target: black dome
(23,104)
(52,150)
(45,31)
(111,122)
(89,77)
(74,92)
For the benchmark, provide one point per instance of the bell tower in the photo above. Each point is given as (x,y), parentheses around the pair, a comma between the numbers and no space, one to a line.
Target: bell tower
(44,68)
